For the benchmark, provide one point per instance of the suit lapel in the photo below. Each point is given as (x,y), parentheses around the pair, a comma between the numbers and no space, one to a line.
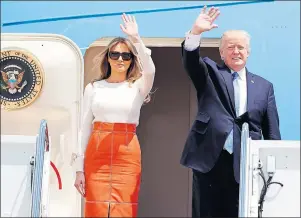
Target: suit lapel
(226,74)
(251,88)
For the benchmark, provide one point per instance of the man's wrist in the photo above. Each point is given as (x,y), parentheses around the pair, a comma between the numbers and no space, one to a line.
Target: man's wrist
(194,32)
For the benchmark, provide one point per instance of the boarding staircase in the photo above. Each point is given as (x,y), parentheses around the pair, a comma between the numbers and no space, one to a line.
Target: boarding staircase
(269,177)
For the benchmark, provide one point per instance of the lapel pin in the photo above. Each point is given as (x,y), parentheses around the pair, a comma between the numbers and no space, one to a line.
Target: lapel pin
(252,81)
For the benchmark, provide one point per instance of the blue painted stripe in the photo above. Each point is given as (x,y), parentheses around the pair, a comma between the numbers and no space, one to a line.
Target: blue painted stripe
(129,12)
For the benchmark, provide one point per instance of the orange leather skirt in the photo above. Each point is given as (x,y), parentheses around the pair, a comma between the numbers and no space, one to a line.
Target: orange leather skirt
(112,171)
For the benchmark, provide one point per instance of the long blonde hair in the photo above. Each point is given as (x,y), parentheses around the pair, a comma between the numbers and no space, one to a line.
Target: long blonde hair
(101,63)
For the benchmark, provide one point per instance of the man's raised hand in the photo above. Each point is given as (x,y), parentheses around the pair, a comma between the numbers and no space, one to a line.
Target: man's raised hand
(205,21)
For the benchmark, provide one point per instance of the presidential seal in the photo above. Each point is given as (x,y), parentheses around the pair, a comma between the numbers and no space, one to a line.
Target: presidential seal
(22,79)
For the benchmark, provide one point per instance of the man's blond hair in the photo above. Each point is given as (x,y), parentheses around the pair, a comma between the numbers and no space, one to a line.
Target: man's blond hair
(235,32)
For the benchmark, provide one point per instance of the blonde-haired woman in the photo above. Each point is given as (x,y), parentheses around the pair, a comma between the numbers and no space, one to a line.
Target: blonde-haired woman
(109,164)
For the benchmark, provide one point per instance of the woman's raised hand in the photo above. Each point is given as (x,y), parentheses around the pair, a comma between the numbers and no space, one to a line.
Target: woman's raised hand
(129,26)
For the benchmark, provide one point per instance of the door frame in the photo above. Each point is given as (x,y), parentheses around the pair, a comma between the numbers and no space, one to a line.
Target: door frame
(159,42)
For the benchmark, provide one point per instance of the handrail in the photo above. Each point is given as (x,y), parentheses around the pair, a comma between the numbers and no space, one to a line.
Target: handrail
(38,162)
(42,146)
(244,164)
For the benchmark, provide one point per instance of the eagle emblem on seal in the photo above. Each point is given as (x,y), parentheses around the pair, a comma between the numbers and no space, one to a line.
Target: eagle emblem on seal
(13,81)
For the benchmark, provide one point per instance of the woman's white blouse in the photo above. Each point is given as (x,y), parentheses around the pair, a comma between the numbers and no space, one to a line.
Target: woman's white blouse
(115,102)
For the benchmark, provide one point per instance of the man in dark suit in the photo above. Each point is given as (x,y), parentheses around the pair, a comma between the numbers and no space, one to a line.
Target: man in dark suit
(228,95)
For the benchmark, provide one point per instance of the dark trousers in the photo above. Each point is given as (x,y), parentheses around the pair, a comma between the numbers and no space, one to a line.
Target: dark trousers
(216,193)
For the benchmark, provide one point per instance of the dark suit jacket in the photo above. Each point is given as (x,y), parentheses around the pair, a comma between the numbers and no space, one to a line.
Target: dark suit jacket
(216,112)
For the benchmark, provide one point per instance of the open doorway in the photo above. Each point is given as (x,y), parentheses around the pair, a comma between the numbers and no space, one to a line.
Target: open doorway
(164,125)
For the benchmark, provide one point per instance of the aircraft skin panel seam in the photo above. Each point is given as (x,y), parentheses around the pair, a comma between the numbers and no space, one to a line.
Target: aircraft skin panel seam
(87,16)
